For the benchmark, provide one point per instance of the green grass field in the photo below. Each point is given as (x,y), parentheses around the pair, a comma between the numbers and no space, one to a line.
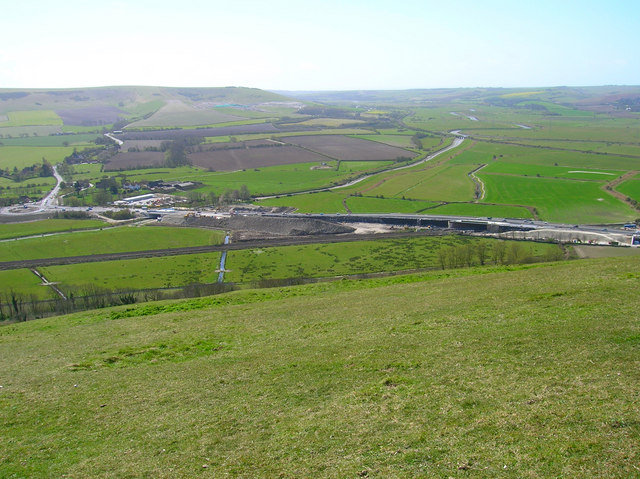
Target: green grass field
(32,118)
(85,139)
(557,200)
(23,282)
(324,260)
(111,240)
(16,230)
(33,187)
(441,183)
(21,156)
(164,272)
(631,188)
(511,372)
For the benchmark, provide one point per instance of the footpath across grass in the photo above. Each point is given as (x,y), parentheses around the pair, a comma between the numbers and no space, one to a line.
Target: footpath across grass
(517,372)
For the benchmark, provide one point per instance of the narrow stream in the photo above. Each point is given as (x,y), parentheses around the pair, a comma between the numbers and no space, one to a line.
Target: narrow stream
(223,260)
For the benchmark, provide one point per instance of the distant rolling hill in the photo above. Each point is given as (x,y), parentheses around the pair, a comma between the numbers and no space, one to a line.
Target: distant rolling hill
(46,111)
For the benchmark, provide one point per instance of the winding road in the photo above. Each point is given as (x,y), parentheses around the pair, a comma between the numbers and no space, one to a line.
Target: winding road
(52,198)
(457,141)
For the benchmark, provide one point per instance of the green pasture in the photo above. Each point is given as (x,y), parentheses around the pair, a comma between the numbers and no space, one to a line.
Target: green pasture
(33,187)
(22,156)
(601,147)
(560,110)
(240,121)
(22,281)
(177,113)
(506,372)
(31,118)
(88,171)
(480,209)
(367,204)
(557,199)
(631,188)
(144,108)
(9,132)
(279,179)
(523,169)
(483,152)
(16,230)
(144,273)
(111,240)
(441,183)
(336,259)
(94,130)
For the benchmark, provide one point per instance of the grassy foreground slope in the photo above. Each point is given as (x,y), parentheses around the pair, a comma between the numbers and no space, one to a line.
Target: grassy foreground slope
(518,372)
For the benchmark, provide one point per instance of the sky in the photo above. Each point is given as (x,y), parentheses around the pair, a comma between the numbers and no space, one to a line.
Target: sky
(319,45)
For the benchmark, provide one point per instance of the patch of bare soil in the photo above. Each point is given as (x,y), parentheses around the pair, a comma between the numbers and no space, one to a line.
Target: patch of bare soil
(249,227)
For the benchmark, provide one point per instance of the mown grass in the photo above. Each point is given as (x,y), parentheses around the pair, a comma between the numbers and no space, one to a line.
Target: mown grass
(523,373)
(16,230)
(112,240)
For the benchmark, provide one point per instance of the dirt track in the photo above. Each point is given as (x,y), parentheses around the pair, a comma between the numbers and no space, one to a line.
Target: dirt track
(288,241)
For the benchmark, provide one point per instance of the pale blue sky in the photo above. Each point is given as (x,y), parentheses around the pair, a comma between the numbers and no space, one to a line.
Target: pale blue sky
(328,45)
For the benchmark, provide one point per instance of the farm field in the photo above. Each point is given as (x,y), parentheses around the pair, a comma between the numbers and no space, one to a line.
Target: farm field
(111,240)
(336,259)
(271,180)
(441,183)
(400,141)
(134,274)
(31,118)
(90,116)
(125,161)
(557,200)
(22,282)
(170,134)
(83,139)
(22,156)
(177,113)
(33,187)
(237,159)
(426,375)
(349,149)
(631,188)
(328,122)
(521,169)
(16,230)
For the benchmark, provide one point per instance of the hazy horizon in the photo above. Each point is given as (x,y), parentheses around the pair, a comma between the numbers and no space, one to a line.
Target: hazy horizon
(302,46)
